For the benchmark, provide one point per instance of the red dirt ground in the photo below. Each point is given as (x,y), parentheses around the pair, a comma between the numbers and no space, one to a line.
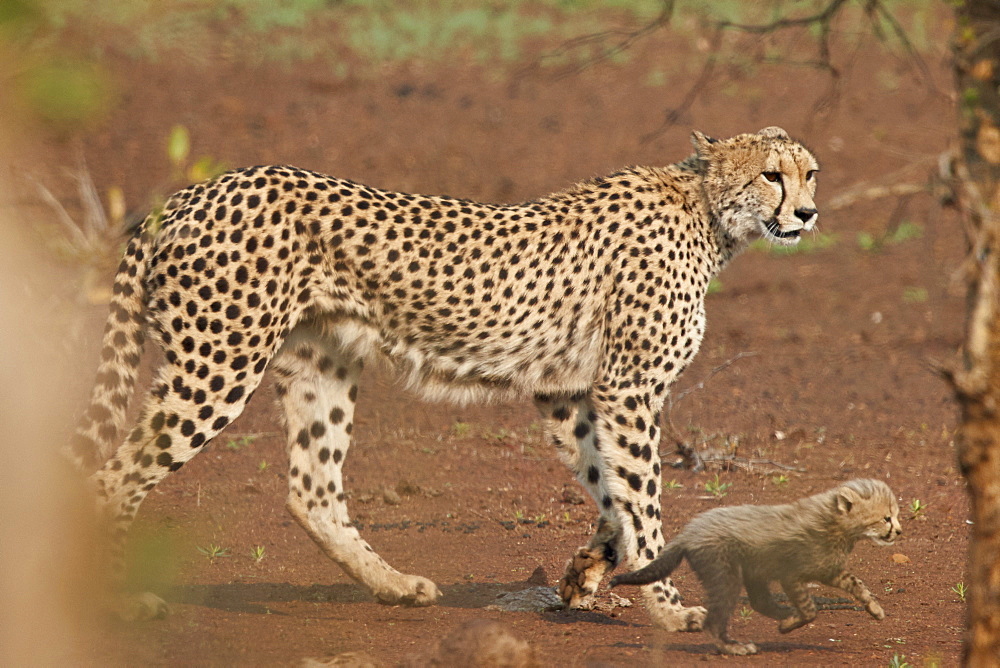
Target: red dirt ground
(839,385)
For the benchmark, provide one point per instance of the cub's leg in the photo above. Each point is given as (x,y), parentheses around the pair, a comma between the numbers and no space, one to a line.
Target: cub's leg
(762,601)
(317,384)
(722,584)
(856,588)
(805,607)
(618,438)
(181,416)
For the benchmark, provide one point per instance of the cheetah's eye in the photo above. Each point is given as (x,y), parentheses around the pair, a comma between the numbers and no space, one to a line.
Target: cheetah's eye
(888,520)
(811,174)
(773,177)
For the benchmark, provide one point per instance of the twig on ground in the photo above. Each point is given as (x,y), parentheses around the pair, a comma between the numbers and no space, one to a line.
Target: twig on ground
(684,448)
(749,463)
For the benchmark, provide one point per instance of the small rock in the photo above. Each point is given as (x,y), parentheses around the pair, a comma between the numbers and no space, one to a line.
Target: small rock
(391,497)
(900,558)
(611,603)
(481,643)
(533,599)
(407,488)
(538,577)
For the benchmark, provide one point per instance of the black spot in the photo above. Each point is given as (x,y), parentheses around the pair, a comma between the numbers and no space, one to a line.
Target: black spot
(634,481)
(235,394)
(336,416)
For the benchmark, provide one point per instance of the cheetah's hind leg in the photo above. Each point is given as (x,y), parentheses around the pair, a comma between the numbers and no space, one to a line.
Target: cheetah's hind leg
(317,383)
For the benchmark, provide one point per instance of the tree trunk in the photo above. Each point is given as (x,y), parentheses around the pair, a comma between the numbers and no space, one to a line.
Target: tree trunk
(977,381)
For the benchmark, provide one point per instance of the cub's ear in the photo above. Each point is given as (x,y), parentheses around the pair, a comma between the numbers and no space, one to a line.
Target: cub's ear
(702,143)
(774,132)
(846,498)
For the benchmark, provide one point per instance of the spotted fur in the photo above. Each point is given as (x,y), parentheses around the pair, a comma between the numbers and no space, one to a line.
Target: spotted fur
(794,544)
(589,300)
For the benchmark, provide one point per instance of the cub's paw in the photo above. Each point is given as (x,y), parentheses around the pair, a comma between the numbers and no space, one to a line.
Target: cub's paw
(789,624)
(139,607)
(412,590)
(737,648)
(875,610)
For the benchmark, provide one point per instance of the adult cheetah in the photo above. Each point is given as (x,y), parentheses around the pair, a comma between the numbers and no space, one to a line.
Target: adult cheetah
(590,300)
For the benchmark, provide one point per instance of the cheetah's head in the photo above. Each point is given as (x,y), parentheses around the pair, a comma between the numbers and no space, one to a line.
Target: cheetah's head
(759,185)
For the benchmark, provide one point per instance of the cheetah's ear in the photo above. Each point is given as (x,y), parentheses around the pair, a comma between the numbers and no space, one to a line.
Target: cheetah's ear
(845,499)
(702,143)
(774,132)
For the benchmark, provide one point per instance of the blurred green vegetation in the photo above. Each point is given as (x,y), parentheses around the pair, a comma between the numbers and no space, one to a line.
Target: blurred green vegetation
(59,46)
(390,30)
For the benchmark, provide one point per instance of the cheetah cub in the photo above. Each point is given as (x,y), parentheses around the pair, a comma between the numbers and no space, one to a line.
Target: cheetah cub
(794,544)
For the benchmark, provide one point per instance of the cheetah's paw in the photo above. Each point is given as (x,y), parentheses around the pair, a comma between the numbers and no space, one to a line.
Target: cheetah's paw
(683,619)
(583,574)
(413,590)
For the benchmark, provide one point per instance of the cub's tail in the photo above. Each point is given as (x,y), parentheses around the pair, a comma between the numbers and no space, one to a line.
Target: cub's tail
(665,564)
(102,424)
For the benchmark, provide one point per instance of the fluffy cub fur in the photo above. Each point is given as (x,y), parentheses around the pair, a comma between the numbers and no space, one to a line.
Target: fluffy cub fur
(793,544)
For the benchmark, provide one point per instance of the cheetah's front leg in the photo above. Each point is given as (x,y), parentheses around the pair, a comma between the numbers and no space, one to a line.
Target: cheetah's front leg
(615,457)
(318,386)
(568,422)
(628,441)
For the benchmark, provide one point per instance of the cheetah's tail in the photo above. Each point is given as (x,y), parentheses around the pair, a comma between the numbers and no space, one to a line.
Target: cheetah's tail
(664,564)
(103,422)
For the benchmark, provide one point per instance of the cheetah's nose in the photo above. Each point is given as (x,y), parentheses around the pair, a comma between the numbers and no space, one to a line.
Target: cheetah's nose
(806,215)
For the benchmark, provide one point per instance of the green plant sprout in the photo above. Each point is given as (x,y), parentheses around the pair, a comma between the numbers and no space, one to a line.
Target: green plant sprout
(899,661)
(717,488)
(241,442)
(214,551)
(917,509)
(257,553)
(960,590)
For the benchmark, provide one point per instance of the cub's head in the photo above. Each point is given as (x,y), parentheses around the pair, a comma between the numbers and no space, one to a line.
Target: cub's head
(759,185)
(868,509)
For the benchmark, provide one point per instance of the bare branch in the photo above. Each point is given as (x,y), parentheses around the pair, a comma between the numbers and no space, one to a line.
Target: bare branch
(823,20)
(626,38)
(822,17)
(674,116)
